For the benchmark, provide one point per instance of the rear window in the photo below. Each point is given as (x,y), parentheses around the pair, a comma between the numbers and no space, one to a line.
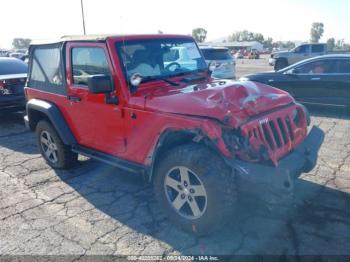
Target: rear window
(46,69)
(46,66)
(12,66)
(216,54)
(317,48)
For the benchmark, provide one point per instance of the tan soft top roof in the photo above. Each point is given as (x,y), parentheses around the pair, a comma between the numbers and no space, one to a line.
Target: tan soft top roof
(100,38)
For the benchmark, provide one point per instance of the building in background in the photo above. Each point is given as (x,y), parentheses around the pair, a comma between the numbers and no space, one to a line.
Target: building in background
(245,45)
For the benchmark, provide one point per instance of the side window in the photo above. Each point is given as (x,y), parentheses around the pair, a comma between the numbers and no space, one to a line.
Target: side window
(344,66)
(317,48)
(87,61)
(302,49)
(318,67)
(46,67)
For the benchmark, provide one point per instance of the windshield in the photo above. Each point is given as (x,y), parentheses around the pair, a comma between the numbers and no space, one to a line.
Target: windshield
(216,54)
(159,58)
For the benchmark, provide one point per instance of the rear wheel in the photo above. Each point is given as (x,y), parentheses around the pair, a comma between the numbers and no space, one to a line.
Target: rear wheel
(195,188)
(55,152)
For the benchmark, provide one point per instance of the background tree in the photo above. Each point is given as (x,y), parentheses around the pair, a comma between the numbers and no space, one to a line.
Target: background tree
(289,44)
(284,45)
(330,44)
(346,47)
(317,30)
(246,35)
(268,43)
(21,43)
(258,37)
(340,44)
(199,34)
(240,36)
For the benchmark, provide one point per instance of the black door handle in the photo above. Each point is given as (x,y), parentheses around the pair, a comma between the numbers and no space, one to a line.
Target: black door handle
(74,98)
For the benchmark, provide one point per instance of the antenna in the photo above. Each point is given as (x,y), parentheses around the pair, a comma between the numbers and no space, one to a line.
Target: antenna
(124,46)
(82,14)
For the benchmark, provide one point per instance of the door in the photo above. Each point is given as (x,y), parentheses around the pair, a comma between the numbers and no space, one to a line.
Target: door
(95,123)
(300,53)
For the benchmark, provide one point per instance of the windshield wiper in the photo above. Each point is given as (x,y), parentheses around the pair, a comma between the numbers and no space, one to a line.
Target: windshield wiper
(153,78)
(193,76)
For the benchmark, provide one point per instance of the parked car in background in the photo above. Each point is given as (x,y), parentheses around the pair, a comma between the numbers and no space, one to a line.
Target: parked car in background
(283,59)
(179,55)
(13,75)
(221,59)
(239,54)
(319,80)
(4,53)
(16,55)
(254,54)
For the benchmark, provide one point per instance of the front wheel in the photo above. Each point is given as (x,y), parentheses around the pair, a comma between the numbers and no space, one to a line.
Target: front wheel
(195,188)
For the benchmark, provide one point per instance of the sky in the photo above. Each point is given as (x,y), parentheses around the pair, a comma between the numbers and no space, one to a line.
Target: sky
(282,20)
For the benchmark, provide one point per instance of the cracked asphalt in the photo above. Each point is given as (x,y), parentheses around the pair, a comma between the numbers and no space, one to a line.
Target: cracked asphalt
(96,209)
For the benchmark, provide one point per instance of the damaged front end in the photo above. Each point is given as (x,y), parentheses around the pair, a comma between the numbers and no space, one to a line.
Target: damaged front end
(274,148)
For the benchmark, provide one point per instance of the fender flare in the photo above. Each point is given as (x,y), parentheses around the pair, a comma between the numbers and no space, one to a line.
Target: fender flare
(194,136)
(52,112)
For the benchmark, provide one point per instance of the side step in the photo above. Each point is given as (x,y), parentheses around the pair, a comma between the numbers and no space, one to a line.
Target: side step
(110,160)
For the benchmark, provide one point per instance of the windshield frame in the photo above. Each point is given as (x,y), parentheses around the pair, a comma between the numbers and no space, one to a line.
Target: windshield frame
(118,45)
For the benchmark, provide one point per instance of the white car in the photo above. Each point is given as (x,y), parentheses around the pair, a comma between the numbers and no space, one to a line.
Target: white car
(225,63)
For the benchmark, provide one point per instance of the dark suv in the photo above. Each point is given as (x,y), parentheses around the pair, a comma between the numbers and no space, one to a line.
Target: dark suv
(127,101)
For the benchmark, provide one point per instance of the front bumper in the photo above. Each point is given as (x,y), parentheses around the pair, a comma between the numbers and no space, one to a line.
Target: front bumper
(302,159)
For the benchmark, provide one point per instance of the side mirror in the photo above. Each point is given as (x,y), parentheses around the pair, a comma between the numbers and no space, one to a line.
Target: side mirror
(135,80)
(211,66)
(100,84)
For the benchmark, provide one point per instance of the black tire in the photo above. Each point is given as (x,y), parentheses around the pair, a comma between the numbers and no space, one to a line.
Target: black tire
(280,64)
(65,158)
(217,179)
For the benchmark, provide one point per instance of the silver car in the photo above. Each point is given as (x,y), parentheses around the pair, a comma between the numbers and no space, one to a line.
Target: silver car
(225,63)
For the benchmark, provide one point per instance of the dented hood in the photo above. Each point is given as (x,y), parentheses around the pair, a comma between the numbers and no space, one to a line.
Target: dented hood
(228,101)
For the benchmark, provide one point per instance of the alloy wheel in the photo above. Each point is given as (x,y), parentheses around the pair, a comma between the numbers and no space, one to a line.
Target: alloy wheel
(185,192)
(49,147)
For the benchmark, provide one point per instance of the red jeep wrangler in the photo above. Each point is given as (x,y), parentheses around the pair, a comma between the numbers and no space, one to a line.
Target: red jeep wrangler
(131,102)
